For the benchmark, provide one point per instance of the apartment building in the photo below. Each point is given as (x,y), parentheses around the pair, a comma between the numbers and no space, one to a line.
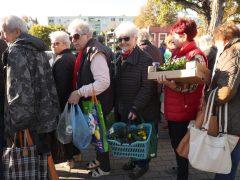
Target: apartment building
(98,23)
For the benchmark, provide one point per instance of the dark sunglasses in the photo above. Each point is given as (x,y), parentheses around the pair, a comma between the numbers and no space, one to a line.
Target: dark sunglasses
(126,39)
(75,36)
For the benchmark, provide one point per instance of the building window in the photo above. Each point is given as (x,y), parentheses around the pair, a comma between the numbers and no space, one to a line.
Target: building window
(120,19)
(112,19)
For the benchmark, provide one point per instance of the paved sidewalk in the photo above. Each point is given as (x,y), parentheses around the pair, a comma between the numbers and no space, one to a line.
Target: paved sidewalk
(164,161)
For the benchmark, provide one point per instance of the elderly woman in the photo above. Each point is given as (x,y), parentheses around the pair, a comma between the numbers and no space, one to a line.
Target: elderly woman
(91,72)
(206,44)
(182,101)
(135,94)
(227,78)
(62,69)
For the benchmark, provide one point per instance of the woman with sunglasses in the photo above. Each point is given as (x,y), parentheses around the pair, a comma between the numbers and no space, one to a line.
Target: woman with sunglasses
(91,72)
(62,69)
(135,95)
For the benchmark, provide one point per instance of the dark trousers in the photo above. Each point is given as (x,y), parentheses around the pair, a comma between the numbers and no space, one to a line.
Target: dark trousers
(143,163)
(177,130)
(103,158)
(70,151)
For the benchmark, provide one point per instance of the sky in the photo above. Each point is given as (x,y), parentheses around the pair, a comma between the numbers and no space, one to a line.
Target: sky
(41,9)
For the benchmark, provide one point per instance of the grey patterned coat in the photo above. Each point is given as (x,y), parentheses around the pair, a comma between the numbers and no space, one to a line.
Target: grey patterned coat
(30,99)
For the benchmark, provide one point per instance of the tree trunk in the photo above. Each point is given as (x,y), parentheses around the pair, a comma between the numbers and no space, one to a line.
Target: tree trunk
(217,11)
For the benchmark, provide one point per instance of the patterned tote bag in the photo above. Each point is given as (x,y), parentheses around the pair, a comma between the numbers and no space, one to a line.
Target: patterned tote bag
(24,162)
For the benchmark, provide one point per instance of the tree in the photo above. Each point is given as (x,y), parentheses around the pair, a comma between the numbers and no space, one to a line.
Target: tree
(30,21)
(155,14)
(231,11)
(211,11)
(43,32)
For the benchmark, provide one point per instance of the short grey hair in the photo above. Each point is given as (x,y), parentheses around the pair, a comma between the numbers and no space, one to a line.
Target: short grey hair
(80,26)
(126,28)
(12,22)
(205,42)
(143,34)
(60,36)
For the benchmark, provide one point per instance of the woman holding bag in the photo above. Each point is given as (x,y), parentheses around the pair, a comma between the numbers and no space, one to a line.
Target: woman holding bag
(63,74)
(135,94)
(91,73)
(226,77)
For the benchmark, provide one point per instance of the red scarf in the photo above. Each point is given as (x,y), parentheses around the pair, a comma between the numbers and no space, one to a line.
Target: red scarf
(184,50)
(76,68)
(126,54)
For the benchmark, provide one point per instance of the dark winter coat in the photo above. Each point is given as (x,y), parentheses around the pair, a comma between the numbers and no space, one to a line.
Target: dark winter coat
(134,92)
(31,98)
(152,50)
(3,47)
(211,54)
(63,75)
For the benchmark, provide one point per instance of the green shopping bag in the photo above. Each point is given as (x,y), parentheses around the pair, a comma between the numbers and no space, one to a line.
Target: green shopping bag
(94,110)
(152,153)
(110,119)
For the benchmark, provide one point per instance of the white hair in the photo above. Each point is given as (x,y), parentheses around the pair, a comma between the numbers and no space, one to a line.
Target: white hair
(60,36)
(143,34)
(12,22)
(126,28)
(80,26)
(205,42)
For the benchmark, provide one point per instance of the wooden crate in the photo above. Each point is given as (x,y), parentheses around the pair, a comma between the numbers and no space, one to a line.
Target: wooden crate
(195,73)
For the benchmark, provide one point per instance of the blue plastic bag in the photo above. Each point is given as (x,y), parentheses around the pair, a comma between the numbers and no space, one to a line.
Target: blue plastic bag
(82,135)
(64,127)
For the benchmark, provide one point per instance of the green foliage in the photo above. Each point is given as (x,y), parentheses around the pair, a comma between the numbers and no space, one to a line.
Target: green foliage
(43,32)
(167,12)
(133,135)
(158,13)
(177,64)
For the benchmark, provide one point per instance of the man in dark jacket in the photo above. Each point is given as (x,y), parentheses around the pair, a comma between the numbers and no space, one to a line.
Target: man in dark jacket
(154,52)
(148,47)
(31,97)
(3,47)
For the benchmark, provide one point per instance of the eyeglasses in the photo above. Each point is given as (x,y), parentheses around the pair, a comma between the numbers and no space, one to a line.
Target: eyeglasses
(55,44)
(75,36)
(126,39)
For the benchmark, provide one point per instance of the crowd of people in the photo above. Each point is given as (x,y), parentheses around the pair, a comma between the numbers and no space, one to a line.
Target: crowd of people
(33,92)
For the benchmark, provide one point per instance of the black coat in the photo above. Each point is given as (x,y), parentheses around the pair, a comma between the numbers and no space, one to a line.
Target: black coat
(3,47)
(211,54)
(152,50)
(63,75)
(134,92)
